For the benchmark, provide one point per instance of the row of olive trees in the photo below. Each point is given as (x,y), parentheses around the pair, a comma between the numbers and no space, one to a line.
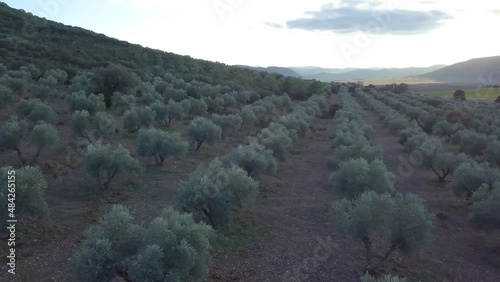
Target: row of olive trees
(173,247)
(370,208)
(472,180)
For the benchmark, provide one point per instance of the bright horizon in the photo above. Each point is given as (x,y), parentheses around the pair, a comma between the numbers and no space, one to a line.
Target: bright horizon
(330,34)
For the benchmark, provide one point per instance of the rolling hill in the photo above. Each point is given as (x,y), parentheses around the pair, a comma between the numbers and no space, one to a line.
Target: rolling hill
(480,70)
(276,70)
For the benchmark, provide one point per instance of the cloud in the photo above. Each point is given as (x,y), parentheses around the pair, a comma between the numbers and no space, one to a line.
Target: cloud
(275,25)
(348,19)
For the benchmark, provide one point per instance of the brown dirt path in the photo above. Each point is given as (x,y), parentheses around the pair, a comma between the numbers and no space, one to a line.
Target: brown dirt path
(458,253)
(297,244)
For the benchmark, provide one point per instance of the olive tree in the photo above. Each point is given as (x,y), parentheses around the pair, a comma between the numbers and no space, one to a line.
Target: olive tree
(138,117)
(248,117)
(11,134)
(44,137)
(254,158)
(358,150)
(6,95)
(279,142)
(201,130)
(215,189)
(36,111)
(469,176)
(228,123)
(484,212)
(160,144)
(197,107)
(175,111)
(122,103)
(105,163)
(81,101)
(356,176)
(82,124)
(31,187)
(173,247)
(401,221)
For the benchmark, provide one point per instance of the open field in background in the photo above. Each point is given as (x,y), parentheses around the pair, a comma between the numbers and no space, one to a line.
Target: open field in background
(483,93)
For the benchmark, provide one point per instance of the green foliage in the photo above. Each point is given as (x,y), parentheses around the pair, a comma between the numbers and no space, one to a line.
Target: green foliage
(113,78)
(82,125)
(229,100)
(175,111)
(44,137)
(137,117)
(81,101)
(60,75)
(484,213)
(443,164)
(241,97)
(402,221)
(215,189)
(492,152)
(160,144)
(358,150)
(82,82)
(36,111)
(30,189)
(105,124)
(161,111)
(248,117)
(473,143)
(18,85)
(415,142)
(228,123)
(11,135)
(121,102)
(295,122)
(6,96)
(407,133)
(278,141)
(469,176)
(201,130)
(258,110)
(103,161)
(356,176)
(255,159)
(198,107)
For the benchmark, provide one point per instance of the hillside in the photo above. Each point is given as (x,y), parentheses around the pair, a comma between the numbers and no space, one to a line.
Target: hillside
(27,39)
(275,70)
(361,74)
(469,71)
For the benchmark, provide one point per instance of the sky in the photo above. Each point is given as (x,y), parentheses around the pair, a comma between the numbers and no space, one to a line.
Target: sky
(331,34)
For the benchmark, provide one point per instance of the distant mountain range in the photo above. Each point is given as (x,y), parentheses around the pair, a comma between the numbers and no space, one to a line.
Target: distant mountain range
(478,71)
(467,72)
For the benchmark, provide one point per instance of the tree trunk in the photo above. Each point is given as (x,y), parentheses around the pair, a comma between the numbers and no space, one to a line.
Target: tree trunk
(20,155)
(368,245)
(207,213)
(199,145)
(387,254)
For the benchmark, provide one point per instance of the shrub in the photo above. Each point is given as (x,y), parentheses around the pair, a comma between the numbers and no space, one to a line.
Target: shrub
(11,135)
(402,221)
(103,161)
(484,213)
(459,95)
(214,190)
(347,139)
(81,101)
(415,141)
(136,118)
(160,144)
(202,130)
(259,111)
(30,192)
(36,111)
(215,105)
(44,136)
(242,97)
(105,124)
(228,123)
(254,158)
(469,176)
(356,176)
